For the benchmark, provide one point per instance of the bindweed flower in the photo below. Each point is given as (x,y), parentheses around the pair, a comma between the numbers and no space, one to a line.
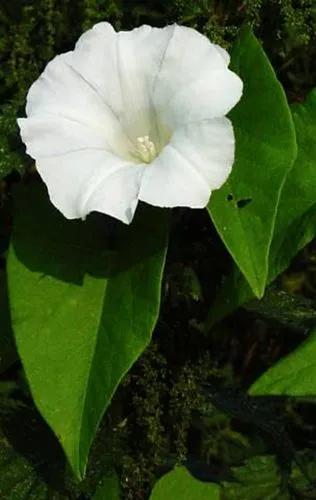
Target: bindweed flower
(134,115)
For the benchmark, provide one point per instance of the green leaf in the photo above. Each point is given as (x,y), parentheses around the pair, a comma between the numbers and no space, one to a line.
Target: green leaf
(109,489)
(296,219)
(294,375)
(245,208)
(258,479)
(180,485)
(84,303)
(295,224)
(261,478)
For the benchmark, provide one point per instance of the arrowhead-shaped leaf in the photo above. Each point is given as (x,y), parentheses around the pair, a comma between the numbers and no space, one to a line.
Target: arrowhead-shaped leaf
(84,299)
(296,217)
(245,208)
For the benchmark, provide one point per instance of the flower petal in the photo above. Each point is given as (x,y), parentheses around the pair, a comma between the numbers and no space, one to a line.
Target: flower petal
(210,96)
(83,181)
(122,67)
(194,82)
(197,160)
(47,135)
(223,52)
(63,93)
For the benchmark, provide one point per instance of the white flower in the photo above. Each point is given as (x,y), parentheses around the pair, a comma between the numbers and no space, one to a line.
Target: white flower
(134,115)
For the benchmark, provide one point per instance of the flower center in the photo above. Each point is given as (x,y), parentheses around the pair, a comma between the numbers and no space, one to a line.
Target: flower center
(146,149)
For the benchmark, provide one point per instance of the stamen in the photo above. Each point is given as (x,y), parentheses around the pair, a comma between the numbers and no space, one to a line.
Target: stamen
(146,149)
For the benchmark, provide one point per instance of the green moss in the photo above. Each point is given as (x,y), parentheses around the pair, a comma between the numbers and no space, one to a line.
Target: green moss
(10,145)
(95,11)
(33,32)
(144,455)
(158,417)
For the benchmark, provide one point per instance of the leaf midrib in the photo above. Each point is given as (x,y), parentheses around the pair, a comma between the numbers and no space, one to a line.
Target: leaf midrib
(88,378)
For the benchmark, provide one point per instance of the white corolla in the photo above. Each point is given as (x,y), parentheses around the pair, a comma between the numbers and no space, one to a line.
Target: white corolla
(134,115)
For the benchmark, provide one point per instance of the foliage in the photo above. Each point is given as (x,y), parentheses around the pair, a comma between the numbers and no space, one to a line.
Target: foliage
(295,218)
(258,478)
(84,296)
(293,375)
(179,485)
(94,299)
(244,210)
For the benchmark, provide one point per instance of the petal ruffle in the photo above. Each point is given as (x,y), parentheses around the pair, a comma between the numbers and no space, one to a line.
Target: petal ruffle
(194,82)
(46,135)
(223,52)
(209,96)
(83,181)
(122,67)
(62,92)
(197,160)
